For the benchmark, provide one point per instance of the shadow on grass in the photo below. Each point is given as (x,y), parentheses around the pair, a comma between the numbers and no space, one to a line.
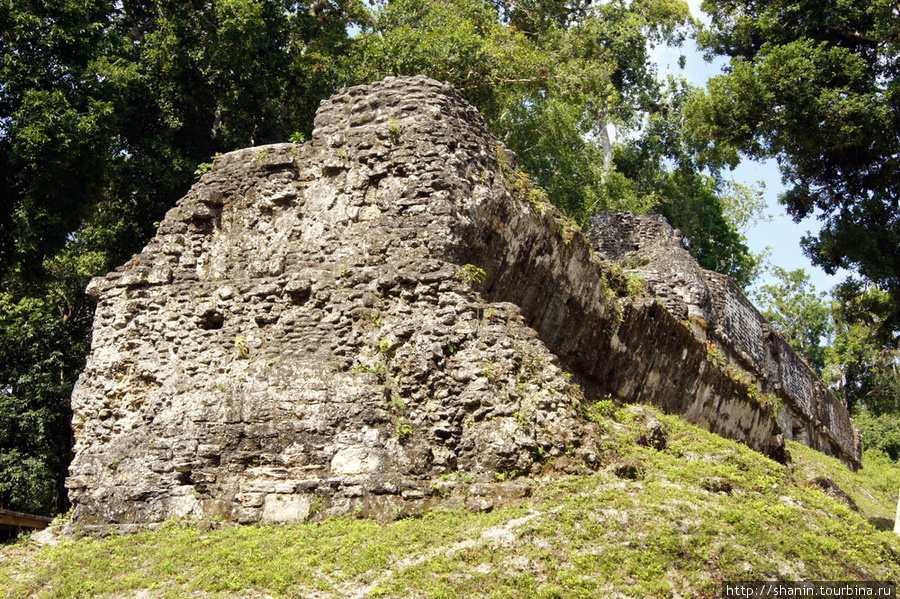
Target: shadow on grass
(882,523)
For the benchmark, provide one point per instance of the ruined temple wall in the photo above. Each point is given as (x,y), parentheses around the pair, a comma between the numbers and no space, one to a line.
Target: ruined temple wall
(629,348)
(737,325)
(302,339)
(719,312)
(299,340)
(812,414)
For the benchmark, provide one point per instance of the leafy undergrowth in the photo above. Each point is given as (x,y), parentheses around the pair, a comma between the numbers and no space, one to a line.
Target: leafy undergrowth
(671,522)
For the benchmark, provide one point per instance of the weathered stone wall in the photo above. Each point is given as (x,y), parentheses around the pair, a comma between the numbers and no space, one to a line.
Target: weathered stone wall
(719,312)
(306,334)
(296,340)
(628,347)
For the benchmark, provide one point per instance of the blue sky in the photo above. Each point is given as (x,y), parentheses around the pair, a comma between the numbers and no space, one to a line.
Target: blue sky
(780,234)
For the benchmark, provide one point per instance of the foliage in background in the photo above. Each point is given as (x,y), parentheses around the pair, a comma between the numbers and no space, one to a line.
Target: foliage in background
(44,336)
(660,170)
(881,435)
(800,314)
(815,85)
(864,370)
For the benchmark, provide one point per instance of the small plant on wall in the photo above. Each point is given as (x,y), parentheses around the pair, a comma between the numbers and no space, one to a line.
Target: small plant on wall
(403,429)
(471,274)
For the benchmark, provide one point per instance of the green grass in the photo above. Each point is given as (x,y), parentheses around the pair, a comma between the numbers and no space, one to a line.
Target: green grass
(662,534)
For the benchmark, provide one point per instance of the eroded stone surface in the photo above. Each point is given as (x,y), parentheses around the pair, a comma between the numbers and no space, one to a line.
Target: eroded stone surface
(302,337)
(298,328)
(719,313)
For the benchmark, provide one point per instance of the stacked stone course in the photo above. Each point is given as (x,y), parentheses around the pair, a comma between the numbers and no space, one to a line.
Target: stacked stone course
(718,312)
(374,322)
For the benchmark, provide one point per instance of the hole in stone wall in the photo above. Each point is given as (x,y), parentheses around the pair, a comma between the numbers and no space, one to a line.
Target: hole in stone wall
(211,320)
(202,224)
(300,296)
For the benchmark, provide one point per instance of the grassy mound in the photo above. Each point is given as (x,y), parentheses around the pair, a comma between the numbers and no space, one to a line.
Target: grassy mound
(673,514)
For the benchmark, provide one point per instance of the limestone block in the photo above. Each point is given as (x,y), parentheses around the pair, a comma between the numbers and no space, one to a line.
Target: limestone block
(282,508)
(355,460)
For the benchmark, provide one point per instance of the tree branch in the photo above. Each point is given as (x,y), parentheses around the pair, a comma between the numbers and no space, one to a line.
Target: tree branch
(857,35)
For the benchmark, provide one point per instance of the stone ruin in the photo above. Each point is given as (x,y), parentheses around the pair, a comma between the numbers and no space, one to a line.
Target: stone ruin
(719,313)
(384,318)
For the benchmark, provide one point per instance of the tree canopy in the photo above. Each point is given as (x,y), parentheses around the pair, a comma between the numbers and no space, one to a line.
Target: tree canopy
(800,314)
(571,89)
(815,85)
(550,79)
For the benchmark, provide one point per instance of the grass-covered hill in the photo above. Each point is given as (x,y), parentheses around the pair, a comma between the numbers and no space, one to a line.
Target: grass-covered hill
(669,515)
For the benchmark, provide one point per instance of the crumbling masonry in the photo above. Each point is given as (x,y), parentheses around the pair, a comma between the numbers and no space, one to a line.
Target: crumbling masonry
(381,319)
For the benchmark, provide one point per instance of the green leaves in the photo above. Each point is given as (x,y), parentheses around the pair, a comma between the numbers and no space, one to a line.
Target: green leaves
(802,316)
(38,361)
(551,79)
(451,41)
(816,86)
(862,369)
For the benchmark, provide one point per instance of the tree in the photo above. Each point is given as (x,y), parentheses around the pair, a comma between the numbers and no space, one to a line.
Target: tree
(40,353)
(659,169)
(553,80)
(54,122)
(880,433)
(814,84)
(56,117)
(862,370)
(801,315)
